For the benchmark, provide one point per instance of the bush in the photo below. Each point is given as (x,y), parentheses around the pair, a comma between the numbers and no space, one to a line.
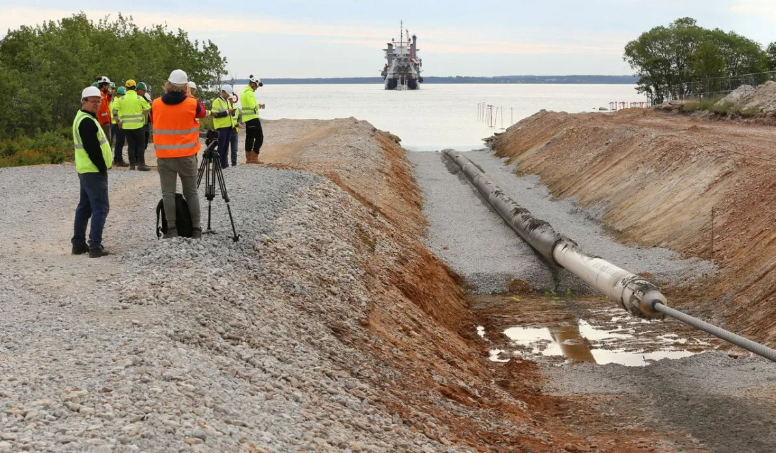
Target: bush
(43,148)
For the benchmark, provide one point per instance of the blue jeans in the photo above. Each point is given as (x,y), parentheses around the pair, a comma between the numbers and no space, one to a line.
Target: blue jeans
(224,137)
(233,140)
(93,204)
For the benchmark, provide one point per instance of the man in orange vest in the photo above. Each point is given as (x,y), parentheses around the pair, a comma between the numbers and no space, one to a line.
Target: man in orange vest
(176,141)
(103,113)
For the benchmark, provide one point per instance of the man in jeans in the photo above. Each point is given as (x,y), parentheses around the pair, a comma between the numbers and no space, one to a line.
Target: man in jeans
(176,143)
(222,111)
(93,158)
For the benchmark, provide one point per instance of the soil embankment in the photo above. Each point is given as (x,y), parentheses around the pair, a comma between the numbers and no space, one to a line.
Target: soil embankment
(658,180)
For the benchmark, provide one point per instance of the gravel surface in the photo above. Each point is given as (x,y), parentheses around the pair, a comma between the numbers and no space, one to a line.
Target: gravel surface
(182,345)
(471,237)
(724,404)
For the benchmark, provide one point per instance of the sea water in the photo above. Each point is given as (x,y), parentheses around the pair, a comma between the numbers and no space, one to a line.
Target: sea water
(437,116)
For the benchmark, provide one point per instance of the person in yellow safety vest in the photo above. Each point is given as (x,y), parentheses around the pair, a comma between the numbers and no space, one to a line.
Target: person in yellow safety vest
(222,111)
(234,140)
(131,110)
(254,136)
(117,135)
(92,161)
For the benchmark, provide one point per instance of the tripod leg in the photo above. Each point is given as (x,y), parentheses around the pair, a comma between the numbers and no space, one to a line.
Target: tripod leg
(222,185)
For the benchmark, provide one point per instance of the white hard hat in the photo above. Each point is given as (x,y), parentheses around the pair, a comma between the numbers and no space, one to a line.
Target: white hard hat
(103,79)
(226,88)
(255,80)
(192,85)
(178,77)
(90,91)
(147,96)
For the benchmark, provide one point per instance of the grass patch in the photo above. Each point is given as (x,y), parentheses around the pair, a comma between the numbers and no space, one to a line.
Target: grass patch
(44,148)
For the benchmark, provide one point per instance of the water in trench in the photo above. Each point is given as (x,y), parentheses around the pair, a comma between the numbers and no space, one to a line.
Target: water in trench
(591,330)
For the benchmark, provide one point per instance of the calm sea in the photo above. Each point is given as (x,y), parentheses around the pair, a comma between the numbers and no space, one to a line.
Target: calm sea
(436,116)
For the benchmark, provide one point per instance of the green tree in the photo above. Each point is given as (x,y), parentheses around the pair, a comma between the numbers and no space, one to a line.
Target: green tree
(665,58)
(43,69)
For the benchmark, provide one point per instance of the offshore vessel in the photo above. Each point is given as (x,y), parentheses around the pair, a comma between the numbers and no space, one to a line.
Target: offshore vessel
(402,67)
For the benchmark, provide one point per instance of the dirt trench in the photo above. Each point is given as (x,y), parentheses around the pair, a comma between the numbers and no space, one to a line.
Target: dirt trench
(704,188)
(427,329)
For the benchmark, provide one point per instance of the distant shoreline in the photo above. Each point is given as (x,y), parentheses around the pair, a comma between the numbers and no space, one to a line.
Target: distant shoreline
(522,79)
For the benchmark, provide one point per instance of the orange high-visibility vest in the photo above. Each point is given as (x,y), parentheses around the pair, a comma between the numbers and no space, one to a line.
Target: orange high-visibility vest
(176,132)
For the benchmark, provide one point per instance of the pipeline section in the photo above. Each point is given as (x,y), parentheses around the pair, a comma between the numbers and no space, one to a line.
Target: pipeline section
(635,294)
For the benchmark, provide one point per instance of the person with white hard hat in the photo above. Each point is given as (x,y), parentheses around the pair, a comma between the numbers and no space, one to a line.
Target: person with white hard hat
(176,143)
(254,136)
(93,158)
(222,111)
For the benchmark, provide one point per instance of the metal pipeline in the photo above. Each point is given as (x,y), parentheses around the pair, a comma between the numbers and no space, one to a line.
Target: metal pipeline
(635,294)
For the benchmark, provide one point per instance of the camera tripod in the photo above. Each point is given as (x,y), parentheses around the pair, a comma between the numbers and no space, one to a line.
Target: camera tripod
(211,169)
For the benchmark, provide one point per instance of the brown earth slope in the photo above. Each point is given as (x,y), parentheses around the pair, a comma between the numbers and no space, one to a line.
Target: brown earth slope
(656,178)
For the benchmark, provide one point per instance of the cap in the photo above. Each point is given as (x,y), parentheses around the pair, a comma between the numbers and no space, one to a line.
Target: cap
(178,77)
(130,83)
(192,85)
(141,86)
(121,91)
(226,88)
(90,92)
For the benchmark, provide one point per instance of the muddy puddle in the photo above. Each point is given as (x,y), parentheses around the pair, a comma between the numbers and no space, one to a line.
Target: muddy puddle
(579,330)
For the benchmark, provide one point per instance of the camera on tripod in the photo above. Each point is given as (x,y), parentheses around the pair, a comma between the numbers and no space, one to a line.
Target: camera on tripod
(210,170)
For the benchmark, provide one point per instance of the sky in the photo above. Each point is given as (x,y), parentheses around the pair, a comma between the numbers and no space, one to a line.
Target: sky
(345,38)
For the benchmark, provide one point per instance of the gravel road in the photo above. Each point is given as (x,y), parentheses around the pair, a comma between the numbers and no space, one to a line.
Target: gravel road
(182,345)
(467,233)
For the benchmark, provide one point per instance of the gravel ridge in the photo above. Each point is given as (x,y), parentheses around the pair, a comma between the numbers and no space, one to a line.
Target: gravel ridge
(188,345)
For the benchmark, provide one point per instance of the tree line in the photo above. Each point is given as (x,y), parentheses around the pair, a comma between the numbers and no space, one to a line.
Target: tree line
(665,58)
(44,68)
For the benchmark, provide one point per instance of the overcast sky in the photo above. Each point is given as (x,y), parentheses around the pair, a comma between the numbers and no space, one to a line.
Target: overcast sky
(344,38)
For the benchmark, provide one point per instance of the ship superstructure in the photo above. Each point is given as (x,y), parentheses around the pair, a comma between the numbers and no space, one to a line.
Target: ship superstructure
(402,67)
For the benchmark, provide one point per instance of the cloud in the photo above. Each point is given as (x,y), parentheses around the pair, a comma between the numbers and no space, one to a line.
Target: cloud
(494,40)
(760,8)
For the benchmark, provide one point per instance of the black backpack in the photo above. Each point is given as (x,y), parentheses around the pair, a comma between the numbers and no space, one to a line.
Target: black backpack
(182,217)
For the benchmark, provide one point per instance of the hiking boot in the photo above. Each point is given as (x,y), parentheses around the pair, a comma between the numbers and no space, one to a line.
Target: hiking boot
(171,233)
(121,163)
(196,233)
(96,253)
(80,249)
(143,168)
(131,166)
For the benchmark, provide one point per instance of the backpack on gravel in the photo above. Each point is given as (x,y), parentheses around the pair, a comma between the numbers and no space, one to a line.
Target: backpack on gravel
(182,217)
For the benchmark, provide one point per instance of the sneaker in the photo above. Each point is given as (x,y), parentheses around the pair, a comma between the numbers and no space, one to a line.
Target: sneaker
(171,233)
(96,253)
(131,167)
(196,233)
(143,168)
(80,249)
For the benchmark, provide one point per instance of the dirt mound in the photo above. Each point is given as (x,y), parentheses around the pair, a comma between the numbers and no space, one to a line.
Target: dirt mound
(748,98)
(660,179)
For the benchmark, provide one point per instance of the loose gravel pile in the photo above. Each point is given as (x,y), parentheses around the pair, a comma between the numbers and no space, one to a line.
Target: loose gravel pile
(471,237)
(181,345)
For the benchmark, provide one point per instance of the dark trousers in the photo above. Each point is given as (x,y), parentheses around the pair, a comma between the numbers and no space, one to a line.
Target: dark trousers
(93,205)
(234,139)
(135,145)
(224,136)
(118,146)
(254,136)
(147,131)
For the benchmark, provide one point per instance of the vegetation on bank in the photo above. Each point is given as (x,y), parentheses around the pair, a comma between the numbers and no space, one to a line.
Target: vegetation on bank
(666,58)
(44,68)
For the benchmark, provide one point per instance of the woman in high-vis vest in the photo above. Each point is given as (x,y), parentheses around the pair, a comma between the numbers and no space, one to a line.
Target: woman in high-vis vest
(93,158)
(176,142)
